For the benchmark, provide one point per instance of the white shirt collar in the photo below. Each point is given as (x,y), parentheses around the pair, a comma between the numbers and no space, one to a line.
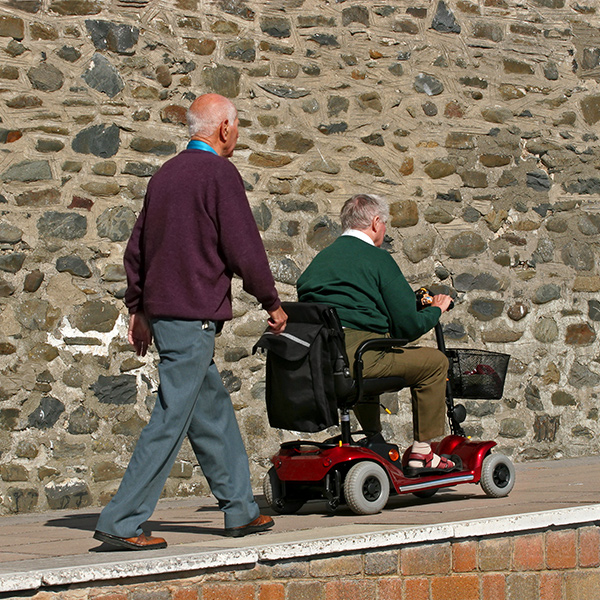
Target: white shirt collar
(360,235)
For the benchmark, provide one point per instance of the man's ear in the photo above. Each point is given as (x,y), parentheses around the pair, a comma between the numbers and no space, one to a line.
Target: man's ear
(224,130)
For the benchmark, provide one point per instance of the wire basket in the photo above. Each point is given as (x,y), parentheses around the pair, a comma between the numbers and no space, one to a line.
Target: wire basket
(477,373)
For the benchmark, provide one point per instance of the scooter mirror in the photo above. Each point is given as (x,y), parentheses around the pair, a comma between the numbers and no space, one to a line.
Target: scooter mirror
(459,413)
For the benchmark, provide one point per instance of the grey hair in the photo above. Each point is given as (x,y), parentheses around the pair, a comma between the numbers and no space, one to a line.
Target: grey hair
(359,211)
(207,122)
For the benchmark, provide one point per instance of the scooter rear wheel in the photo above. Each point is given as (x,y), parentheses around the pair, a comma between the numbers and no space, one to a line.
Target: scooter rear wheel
(366,488)
(272,490)
(497,475)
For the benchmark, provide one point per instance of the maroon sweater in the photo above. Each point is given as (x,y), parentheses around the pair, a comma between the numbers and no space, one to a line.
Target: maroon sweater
(195,231)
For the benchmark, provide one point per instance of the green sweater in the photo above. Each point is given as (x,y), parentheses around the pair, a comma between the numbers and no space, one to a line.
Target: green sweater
(367,288)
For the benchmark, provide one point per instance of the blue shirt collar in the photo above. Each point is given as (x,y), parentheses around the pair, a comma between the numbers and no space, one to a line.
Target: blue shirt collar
(199,145)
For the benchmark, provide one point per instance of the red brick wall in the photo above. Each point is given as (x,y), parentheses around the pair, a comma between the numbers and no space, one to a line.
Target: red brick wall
(561,564)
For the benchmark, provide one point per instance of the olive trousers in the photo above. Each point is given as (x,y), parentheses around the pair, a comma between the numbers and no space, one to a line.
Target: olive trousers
(425,371)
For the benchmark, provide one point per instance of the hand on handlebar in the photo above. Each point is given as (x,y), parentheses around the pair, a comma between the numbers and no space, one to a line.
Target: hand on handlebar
(442,301)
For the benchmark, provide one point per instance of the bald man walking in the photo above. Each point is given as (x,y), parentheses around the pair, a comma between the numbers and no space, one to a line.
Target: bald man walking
(195,231)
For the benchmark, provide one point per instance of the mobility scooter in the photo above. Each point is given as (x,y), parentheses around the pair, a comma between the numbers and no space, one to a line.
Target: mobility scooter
(310,386)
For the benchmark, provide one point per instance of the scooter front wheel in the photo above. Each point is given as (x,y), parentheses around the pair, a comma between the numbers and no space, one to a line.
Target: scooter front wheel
(272,490)
(366,488)
(497,475)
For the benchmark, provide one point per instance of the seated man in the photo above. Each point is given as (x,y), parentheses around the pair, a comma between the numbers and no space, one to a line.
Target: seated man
(373,299)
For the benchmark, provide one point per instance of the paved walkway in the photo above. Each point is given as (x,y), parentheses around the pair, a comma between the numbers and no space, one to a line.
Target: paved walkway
(57,547)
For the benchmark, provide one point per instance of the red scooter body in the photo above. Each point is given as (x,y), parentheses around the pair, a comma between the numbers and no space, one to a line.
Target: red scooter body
(303,462)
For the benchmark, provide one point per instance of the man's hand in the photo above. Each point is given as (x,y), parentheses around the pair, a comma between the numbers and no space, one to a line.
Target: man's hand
(139,334)
(442,302)
(277,320)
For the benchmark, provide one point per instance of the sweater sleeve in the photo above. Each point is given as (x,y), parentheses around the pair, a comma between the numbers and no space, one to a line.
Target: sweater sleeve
(242,246)
(133,262)
(405,320)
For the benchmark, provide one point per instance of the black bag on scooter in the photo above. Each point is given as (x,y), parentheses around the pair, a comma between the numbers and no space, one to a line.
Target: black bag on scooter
(300,388)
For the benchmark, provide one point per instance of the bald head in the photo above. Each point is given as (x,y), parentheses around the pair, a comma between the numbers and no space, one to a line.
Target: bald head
(206,114)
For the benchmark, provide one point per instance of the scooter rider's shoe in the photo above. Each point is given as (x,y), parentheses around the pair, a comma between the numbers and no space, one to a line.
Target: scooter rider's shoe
(447,464)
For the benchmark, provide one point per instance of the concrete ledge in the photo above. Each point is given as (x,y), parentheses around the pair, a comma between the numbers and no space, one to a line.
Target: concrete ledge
(127,565)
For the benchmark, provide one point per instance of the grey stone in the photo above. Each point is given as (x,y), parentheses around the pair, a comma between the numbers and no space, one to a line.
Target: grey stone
(485,309)
(70,493)
(96,315)
(538,180)
(580,376)
(546,330)
(99,140)
(325,39)
(583,186)
(277,27)
(474,179)
(480,408)
(545,427)
(284,91)
(73,265)
(374,139)
(438,214)
(140,169)
(37,315)
(465,244)
(589,224)
(366,164)
(112,36)
(285,271)
(322,232)
(578,255)
(546,293)
(292,141)
(355,14)
(132,427)
(46,78)
(69,54)
(561,398)
(12,263)
(230,381)
(46,146)
(551,71)
(532,398)
(512,428)
(298,205)
(66,226)
(28,171)
(444,20)
(262,216)
(544,253)
(333,128)
(83,421)
(117,390)
(428,84)
(9,418)
(581,431)
(21,500)
(6,289)
(594,310)
(454,331)
(496,114)
(238,8)
(222,79)
(430,109)
(235,354)
(465,282)
(322,165)
(46,414)
(116,223)
(396,69)
(242,50)
(557,224)
(418,247)
(152,146)
(102,76)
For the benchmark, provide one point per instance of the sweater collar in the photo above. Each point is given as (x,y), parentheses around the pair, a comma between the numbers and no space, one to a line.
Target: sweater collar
(200,145)
(359,234)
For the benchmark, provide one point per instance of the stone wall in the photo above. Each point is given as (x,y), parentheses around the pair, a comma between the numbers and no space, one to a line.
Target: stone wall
(478,120)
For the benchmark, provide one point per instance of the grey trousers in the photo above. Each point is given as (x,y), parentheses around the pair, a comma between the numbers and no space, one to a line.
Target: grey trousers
(191,401)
